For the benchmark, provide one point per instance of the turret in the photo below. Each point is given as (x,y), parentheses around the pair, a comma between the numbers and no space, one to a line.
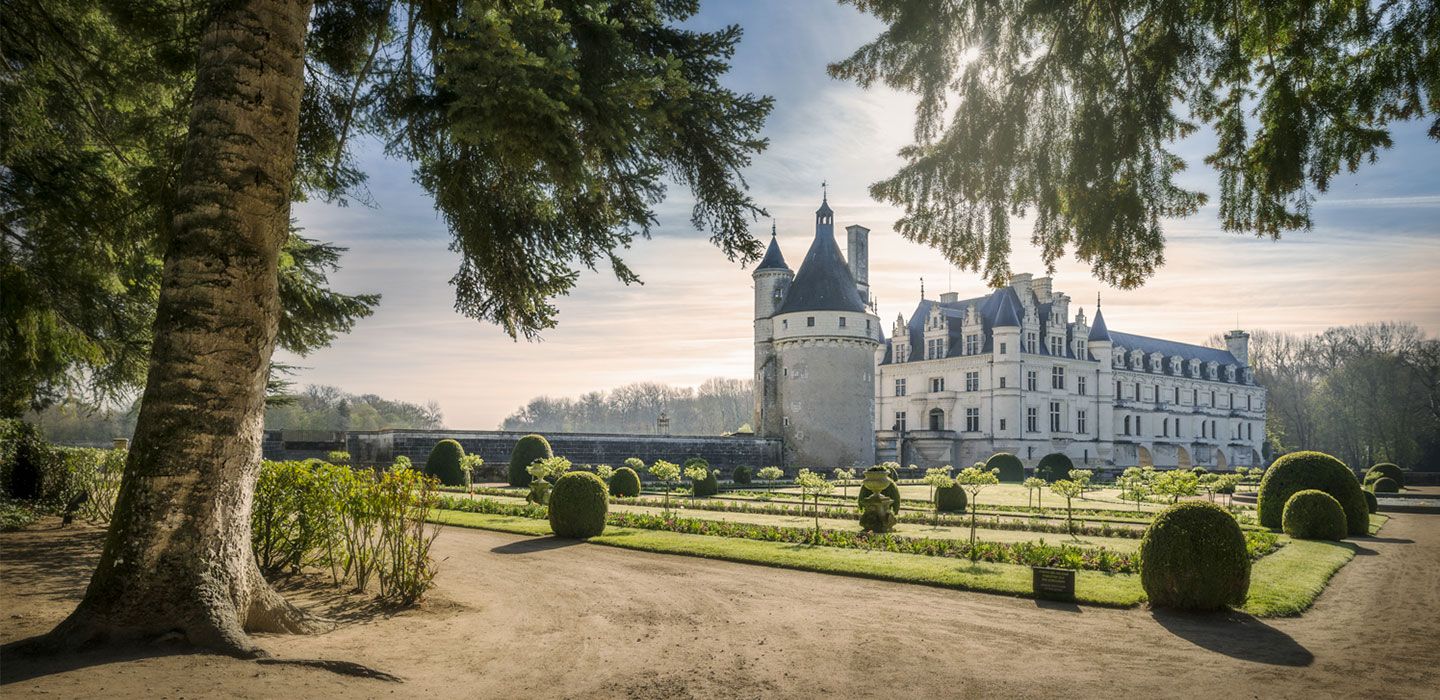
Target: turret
(772,282)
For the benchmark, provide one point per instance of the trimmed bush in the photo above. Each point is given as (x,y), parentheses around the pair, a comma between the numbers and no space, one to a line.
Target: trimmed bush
(891,491)
(578,505)
(709,486)
(950,499)
(527,450)
(444,463)
(1298,471)
(1193,557)
(1371,502)
(1313,514)
(1385,485)
(625,483)
(1054,467)
(1386,469)
(741,476)
(1370,478)
(1012,470)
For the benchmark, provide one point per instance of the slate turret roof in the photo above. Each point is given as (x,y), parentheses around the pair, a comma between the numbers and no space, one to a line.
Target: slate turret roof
(773,260)
(1098,331)
(824,282)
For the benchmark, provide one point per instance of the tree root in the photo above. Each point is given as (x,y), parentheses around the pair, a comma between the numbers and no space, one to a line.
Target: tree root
(344,668)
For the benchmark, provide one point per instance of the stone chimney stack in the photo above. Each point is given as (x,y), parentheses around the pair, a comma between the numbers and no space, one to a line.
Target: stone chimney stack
(858,257)
(1021,283)
(949,297)
(1041,285)
(1238,342)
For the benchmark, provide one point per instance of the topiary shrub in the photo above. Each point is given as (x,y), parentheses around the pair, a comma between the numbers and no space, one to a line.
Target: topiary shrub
(625,483)
(527,450)
(1313,514)
(444,463)
(1012,470)
(1385,485)
(741,476)
(1388,470)
(1054,467)
(709,486)
(1298,471)
(950,499)
(1193,557)
(891,491)
(578,505)
(1371,502)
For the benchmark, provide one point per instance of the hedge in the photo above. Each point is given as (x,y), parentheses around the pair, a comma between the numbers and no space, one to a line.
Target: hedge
(1385,485)
(1054,467)
(578,505)
(1313,514)
(1298,471)
(625,483)
(950,499)
(1012,470)
(1193,557)
(527,450)
(444,463)
(1389,470)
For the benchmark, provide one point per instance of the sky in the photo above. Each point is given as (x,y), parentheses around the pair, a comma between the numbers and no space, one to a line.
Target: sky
(1373,254)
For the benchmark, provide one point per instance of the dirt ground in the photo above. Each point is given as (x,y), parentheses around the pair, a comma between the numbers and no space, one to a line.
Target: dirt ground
(520,617)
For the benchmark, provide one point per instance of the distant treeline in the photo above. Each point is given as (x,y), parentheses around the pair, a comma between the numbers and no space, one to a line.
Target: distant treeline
(717,406)
(320,407)
(1365,393)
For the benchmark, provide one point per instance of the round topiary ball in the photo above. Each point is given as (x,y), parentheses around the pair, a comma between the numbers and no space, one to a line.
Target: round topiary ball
(1371,502)
(625,483)
(741,476)
(1054,467)
(891,491)
(578,504)
(444,463)
(950,499)
(1012,470)
(709,486)
(1298,471)
(527,450)
(1385,485)
(1192,557)
(1387,470)
(1313,514)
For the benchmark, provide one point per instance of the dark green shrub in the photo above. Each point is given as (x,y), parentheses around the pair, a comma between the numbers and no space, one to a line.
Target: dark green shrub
(1386,469)
(1193,557)
(1314,515)
(741,476)
(709,486)
(1371,502)
(1054,467)
(950,499)
(625,483)
(1012,470)
(891,491)
(23,453)
(444,463)
(578,505)
(1371,476)
(1298,471)
(527,450)
(1385,485)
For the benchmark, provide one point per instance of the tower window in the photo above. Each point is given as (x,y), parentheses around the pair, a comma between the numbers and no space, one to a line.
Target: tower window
(1003,349)
(810,321)
(842,321)
(1002,423)
(1002,382)
(785,324)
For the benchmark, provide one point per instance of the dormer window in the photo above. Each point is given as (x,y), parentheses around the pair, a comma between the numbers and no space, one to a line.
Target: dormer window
(1229,373)
(1195,368)
(1157,363)
(1137,359)
(1030,342)
(972,344)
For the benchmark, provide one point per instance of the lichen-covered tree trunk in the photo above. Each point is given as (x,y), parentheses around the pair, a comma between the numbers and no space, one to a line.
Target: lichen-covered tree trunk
(177,559)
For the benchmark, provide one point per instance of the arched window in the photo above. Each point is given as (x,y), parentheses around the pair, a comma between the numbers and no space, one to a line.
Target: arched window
(937,419)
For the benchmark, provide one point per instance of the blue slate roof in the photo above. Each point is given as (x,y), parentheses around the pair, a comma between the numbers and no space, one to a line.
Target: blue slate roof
(1169,348)
(1098,331)
(824,282)
(773,260)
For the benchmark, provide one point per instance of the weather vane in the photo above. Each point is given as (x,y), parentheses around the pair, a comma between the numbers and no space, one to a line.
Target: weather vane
(824,189)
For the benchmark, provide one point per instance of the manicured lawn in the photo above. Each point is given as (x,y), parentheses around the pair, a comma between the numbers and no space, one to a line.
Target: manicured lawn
(1287,582)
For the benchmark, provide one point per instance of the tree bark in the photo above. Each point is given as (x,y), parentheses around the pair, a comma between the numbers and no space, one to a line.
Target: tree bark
(177,559)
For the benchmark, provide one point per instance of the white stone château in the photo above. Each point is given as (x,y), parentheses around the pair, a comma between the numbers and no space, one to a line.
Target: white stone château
(1008,371)
(1013,371)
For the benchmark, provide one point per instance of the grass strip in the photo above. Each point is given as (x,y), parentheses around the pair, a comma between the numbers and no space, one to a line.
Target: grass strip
(1287,582)
(1091,587)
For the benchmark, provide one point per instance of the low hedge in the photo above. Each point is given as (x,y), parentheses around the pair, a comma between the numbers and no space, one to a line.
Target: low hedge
(578,505)
(1385,485)
(1299,471)
(1012,470)
(1193,557)
(625,483)
(950,499)
(527,450)
(1313,514)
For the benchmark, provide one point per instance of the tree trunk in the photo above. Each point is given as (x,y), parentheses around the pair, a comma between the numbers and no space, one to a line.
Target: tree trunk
(178,559)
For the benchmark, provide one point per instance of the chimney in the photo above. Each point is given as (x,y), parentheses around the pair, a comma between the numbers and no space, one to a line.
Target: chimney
(949,297)
(1021,282)
(1041,286)
(1238,342)
(858,257)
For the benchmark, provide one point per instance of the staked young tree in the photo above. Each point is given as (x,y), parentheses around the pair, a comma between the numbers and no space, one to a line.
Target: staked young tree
(544,131)
(1067,111)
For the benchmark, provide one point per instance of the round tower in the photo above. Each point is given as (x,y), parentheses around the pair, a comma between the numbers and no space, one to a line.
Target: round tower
(825,339)
(772,280)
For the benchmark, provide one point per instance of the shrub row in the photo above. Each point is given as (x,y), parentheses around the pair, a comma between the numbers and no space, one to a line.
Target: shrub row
(1299,471)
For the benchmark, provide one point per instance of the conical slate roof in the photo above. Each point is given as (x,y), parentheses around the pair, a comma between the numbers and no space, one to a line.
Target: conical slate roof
(773,260)
(1098,331)
(823,282)
(1008,312)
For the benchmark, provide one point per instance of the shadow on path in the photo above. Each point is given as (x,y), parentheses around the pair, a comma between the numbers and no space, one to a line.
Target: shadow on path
(1388,540)
(538,544)
(1057,605)
(21,662)
(1237,635)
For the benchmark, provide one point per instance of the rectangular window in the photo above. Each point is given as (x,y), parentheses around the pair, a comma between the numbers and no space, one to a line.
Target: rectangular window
(1030,342)
(842,321)
(1165,431)
(900,421)
(1054,416)
(1057,346)
(1002,423)
(972,344)
(972,420)
(1032,380)
(1177,396)
(937,384)
(810,321)
(1232,400)
(1080,385)
(1057,377)
(1002,382)
(972,381)
(1195,397)
(899,387)
(1249,403)
(1032,419)
(1212,399)
(1002,349)
(1138,431)
(1080,422)
(1137,391)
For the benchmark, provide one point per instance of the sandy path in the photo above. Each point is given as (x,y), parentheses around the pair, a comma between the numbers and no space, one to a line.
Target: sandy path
(549,618)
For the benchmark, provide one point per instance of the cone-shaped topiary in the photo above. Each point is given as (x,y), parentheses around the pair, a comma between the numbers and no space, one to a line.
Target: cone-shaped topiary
(950,499)
(1385,485)
(578,505)
(1386,469)
(1193,557)
(1371,502)
(625,483)
(444,463)
(1054,467)
(709,486)
(1012,470)
(527,450)
(1298,471)
(891,491)
(1313,514)
(741,476)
